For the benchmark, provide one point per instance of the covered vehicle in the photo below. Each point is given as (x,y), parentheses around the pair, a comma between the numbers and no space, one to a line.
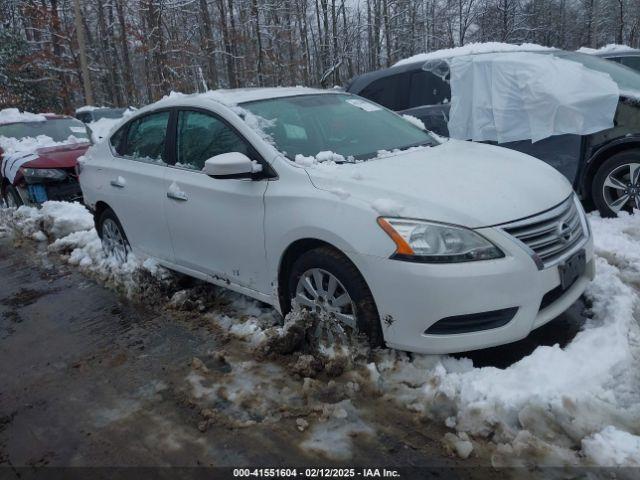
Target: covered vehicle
(600,158)
(38,157)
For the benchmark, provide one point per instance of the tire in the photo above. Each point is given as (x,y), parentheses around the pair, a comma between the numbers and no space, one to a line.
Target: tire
(609,199)
(114,239)
(332,262)
(11,197)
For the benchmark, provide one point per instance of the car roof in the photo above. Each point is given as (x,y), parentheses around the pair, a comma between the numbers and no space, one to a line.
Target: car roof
(234,97)
(625,53)
(48,116)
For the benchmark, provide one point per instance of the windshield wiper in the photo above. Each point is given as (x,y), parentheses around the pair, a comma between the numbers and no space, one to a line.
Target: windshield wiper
(425,143)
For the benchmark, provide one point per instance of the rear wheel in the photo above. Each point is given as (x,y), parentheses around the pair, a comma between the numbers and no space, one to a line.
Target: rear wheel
(11,197)
(325,282)
(616,185)
(114,240)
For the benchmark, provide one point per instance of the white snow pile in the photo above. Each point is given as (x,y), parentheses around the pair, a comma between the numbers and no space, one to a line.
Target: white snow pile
(609,48)
(328,158)
(414,121)
(574,405)
(13,115)
(102,127)
(12,145)
(69,230)
(471,49)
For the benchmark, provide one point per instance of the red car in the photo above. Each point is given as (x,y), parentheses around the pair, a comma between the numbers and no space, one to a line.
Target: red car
(38,158)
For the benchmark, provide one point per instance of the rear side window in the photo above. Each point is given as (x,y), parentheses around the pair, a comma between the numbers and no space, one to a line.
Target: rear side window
(202,136)
(387,91)
(146,138)
(631,62)
(428,89)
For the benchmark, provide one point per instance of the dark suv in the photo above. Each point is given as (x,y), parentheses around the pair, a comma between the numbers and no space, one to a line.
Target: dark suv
(604,167)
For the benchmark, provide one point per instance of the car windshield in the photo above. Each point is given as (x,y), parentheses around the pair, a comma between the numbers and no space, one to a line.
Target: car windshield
(625,77)
(58,129)
(107,113)
(343,124)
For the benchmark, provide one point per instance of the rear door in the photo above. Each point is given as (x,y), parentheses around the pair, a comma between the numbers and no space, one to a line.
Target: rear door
(134,183)
(216,224)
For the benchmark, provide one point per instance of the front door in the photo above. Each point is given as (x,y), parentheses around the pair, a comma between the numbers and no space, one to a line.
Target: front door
(216,225)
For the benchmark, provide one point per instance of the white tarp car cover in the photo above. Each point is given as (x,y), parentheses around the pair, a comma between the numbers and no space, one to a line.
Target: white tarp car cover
(512,96)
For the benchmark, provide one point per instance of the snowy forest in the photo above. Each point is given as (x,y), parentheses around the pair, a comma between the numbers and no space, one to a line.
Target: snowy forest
(136,51)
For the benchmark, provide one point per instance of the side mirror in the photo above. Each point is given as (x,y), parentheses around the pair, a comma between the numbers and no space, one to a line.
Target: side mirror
(229,165)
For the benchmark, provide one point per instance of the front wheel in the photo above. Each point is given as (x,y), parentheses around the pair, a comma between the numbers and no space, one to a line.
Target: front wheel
(11,197)
(616,185)
(325,282)
(114,240)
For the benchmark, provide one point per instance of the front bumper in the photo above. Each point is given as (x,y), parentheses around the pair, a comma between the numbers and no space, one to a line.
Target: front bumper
(38,193)
(412,297)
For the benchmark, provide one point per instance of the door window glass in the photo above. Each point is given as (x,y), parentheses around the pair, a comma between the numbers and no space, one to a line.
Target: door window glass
(202,136)
(146,138)
(632,62)
(428,89)
(385,91)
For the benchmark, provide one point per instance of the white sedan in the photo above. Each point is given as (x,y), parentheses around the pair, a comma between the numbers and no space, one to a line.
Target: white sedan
(331,202)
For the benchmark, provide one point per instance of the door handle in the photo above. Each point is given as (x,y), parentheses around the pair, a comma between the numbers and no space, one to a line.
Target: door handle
(118,182)
(180,196)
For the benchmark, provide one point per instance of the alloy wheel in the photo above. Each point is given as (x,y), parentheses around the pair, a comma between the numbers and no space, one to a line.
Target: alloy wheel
(621,188)
(320,292)
(113,241)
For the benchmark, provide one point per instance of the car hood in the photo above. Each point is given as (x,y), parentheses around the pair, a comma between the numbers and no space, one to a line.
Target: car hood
(64,156)
(465,183)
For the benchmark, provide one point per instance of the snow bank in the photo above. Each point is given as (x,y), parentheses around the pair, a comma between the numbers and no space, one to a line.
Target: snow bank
(610,48)
(522,95)
(612,448)
(69,229)
(470,49)
(13,115)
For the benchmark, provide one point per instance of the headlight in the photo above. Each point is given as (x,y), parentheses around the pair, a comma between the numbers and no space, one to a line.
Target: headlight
(44,174)
(430,242)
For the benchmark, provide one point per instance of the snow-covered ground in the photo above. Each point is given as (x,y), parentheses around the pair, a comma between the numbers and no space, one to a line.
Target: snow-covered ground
(577,405)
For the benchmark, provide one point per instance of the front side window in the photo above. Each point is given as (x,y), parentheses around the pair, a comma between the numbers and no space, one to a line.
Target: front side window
(146,138)
(428,89)
(386,91)
(343,124)
(631,62)
(202,136)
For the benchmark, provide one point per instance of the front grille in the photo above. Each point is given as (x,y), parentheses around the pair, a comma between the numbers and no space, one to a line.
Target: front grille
(551,235)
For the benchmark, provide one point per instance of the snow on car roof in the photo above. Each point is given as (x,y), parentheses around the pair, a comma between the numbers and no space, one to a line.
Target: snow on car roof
(471,49)
(611,48)
(13,115)
(238,96)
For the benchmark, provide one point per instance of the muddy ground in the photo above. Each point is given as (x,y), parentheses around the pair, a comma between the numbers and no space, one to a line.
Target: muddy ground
(89,377)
